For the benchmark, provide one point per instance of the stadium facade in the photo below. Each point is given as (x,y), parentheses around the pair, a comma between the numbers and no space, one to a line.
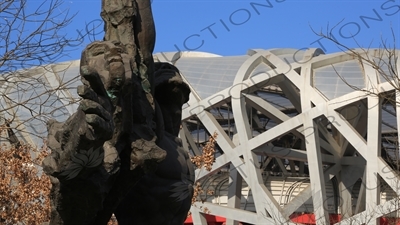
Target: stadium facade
(302,136)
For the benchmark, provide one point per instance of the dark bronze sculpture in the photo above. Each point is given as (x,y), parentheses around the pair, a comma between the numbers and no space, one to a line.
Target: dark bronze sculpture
(119,153)
(167,191)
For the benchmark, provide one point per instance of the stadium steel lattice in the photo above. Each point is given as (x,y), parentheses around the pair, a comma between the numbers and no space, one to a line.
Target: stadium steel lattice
(300,109)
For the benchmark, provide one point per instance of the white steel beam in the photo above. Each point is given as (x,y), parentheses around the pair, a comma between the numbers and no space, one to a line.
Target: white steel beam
(235,214)
(317,181)
(263,199)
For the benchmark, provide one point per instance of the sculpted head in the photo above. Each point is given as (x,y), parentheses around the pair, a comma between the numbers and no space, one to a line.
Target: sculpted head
(110,61)
(171,92)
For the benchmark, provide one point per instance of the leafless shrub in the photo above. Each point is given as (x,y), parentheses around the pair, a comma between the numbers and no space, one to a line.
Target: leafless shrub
(24,191)
(207,158)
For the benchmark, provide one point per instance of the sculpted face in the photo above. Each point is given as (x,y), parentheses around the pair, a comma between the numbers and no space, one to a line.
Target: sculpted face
(111,61)
(172,110)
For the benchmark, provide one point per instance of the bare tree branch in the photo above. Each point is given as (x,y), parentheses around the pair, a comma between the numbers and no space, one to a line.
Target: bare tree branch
(32,37)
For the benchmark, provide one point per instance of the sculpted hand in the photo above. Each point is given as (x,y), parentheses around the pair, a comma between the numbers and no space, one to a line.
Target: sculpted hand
(96,104)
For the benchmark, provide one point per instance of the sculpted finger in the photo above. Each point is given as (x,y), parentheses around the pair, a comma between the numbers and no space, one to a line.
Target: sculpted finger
(93,79)
(91,107)
(101,127)
(87,93)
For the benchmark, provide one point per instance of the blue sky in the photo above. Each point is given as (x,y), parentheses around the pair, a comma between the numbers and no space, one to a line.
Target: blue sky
(232,27)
